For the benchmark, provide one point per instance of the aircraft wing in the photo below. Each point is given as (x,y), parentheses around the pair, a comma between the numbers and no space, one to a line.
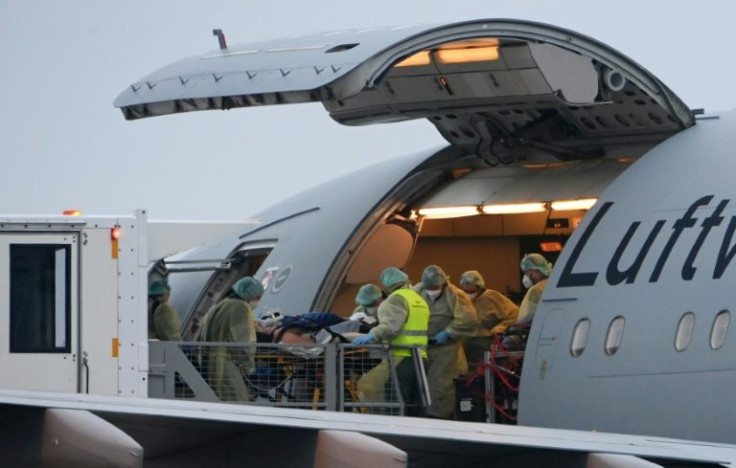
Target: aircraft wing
(181,433)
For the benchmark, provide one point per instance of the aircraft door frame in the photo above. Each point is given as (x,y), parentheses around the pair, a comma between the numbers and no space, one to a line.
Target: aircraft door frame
(39,325)
(246,260)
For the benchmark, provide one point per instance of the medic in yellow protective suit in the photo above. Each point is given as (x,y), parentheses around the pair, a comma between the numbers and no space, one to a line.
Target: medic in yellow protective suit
(536,270)
(231,321)
(496,313)
(452,317)
(163,321)
(403,319)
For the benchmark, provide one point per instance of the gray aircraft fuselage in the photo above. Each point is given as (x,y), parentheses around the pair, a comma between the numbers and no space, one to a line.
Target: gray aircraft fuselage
(632,334)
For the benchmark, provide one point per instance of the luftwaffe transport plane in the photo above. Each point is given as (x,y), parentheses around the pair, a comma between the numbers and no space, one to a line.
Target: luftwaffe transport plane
(556,143)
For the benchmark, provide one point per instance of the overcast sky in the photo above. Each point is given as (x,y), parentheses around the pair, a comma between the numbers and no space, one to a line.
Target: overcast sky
(62,63)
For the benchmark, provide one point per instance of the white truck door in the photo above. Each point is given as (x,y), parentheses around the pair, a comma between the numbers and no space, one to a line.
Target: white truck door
(39,311)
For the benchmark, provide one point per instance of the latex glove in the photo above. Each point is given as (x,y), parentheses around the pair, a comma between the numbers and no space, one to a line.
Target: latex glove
(366,339)
(442,337)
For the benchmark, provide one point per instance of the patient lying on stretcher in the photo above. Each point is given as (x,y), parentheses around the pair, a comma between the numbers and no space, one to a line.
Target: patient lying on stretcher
(310,328)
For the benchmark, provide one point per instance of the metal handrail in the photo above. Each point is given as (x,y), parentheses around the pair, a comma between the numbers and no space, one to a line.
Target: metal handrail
(312,376)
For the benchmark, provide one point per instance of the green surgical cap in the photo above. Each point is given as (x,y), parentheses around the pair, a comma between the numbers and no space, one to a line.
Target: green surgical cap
(433,277)
(392,276)
(472,277)
(158,288)
(535,261)
(248,287)
(367,295)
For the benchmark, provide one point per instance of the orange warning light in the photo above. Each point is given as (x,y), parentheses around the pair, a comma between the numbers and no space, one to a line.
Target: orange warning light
(550,246)
(114,236)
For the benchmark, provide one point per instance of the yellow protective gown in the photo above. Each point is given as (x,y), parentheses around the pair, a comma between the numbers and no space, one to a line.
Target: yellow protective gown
(531,300)
(392,314)
(229,321)
(454,312)
(164,323)
(496,313)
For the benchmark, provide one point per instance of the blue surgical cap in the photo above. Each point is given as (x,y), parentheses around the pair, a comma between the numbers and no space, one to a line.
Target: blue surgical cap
(392,276)
(535,261)
(472,277)
(433,277)
(367,295)
(248,287)
(158,288)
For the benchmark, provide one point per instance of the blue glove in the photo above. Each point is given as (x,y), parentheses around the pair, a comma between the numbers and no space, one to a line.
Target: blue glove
(366,339)
(442,337)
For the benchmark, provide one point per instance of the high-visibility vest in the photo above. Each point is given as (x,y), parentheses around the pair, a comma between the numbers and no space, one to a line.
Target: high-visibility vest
(414,331)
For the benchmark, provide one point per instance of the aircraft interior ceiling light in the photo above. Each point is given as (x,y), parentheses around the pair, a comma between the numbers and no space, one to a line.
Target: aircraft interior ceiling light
(471,43)
(478,50)
(568,205)
(445,212)
(448,212)
(415,60)
(515,208)
(473,54)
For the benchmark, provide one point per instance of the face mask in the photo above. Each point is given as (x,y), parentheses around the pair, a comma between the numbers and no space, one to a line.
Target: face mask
(472,296)
(254,304)
(527,282)
(434,293)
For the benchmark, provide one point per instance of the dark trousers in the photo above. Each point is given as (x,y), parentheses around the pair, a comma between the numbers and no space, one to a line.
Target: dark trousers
(409,387)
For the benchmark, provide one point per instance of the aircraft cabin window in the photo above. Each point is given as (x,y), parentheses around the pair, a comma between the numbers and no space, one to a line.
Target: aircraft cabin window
(40,298)
(684,331)
(580,337)
(720,327)
(614,336)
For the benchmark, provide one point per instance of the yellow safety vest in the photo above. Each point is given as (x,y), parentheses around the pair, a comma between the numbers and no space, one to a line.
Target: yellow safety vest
(414,331)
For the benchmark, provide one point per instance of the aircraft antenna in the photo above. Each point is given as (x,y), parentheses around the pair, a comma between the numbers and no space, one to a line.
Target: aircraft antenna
(220,38)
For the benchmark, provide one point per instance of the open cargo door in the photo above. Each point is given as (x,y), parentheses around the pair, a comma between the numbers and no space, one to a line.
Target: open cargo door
(499,88)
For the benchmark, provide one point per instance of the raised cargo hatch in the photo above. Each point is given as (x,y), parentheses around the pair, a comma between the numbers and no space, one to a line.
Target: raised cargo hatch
(503,89)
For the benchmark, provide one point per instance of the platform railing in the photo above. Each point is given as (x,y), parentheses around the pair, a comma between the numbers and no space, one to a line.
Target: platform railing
(333,376)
